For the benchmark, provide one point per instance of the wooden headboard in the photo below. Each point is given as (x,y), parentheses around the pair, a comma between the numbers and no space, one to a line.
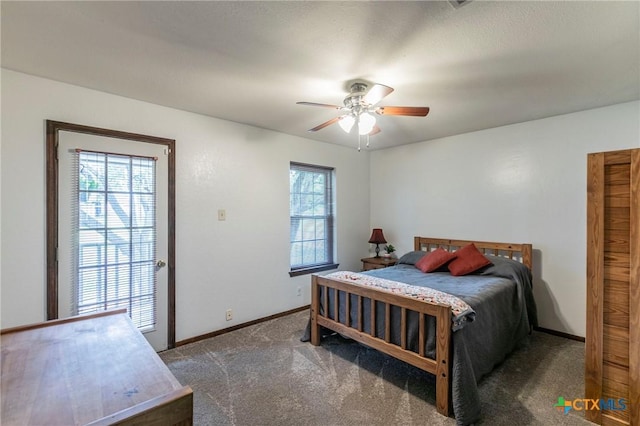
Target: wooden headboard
(519,252)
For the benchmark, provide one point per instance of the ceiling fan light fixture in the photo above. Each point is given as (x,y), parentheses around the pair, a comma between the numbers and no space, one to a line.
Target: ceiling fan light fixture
(366,122)
(347,123)
(358,107)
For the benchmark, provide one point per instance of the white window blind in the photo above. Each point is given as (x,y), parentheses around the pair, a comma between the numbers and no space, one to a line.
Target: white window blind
(114,235)
(311,214)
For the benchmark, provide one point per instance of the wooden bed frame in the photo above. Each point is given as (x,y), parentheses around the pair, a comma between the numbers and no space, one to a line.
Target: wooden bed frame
(441,365)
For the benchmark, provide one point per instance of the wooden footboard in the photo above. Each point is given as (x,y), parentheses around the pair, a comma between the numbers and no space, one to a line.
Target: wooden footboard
(321,287)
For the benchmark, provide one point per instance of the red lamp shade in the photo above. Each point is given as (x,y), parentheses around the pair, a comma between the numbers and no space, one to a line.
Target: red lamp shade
(377,237)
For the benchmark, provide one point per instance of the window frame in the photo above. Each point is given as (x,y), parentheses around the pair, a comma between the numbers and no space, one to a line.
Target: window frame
(329,218)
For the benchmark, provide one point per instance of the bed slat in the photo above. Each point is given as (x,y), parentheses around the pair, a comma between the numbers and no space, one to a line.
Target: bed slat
(403,328)
(387,322)
(326,303)
(372,304)
(422,336)
(359,313)
(347,310)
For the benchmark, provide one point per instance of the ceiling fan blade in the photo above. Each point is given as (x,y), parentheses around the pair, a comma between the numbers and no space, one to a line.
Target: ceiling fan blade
(376,93)
(320,105)
(375,130)
(397,110)
(325,124)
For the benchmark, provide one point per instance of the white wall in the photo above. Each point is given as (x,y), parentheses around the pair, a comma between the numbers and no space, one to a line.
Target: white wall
(241,263)
(519,183)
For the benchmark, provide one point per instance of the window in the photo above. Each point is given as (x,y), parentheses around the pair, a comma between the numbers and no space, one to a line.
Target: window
(115,245)
(311,212)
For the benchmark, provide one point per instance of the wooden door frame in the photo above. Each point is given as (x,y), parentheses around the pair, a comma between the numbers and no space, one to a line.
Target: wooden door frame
(52,170)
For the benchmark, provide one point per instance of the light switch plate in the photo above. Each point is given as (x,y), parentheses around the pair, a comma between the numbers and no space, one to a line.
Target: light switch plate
(222,214)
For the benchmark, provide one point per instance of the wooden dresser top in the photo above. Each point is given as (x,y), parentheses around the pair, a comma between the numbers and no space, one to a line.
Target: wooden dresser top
(79,370)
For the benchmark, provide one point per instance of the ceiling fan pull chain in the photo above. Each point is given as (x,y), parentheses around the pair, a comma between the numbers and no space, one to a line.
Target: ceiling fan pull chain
(367,140)
(359,142)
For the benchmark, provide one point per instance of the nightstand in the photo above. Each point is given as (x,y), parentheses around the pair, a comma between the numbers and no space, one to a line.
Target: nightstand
(369,263)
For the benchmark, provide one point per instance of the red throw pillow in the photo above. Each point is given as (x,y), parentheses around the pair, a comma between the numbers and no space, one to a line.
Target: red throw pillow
(435,259)
(468,259)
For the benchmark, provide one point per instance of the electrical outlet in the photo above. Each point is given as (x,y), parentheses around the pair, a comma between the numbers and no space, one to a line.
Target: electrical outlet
(229,314)
(299,291)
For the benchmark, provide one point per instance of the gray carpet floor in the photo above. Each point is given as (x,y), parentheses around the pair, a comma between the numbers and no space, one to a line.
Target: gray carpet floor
(264,375)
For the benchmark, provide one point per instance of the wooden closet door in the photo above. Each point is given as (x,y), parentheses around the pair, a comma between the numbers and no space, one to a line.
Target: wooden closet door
(612,357)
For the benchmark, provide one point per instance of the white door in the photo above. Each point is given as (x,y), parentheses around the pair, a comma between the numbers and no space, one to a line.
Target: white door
(112,230)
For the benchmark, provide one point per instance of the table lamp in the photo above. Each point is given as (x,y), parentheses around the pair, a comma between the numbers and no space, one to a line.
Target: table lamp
(377,238)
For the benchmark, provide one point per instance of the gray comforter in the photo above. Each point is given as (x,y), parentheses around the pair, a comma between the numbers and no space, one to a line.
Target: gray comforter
(501,296)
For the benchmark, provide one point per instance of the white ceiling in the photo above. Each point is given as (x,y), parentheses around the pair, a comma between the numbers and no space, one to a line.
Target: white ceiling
(483,65)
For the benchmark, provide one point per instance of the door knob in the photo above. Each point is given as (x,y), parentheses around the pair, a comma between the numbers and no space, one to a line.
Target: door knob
(161,263)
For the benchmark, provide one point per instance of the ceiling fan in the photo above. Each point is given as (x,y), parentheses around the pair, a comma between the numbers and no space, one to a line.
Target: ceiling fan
(359,106)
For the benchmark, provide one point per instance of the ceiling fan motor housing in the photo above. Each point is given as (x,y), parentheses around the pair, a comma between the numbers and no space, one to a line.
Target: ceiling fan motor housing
(355,99)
